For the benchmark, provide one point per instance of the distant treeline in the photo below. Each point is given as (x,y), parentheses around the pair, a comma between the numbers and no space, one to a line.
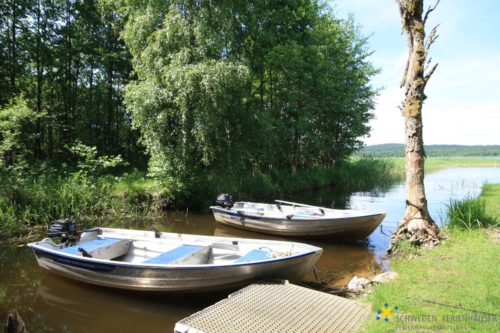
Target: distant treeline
(397,150)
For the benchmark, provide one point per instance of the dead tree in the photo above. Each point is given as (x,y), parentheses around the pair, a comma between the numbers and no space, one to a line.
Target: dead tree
(417,226)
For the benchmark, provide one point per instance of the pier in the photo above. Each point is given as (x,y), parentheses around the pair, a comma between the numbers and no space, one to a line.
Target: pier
(277,307)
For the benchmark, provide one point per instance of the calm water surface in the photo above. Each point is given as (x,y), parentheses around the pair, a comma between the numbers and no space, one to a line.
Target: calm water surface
(51,304)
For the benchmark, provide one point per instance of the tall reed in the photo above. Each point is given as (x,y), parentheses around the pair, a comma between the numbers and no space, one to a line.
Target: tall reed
(469,214)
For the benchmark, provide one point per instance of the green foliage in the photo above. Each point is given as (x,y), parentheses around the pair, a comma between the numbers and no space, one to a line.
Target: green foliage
(66,59)
(244,90)
(27,201)
(469,214)
(16,123)
(187,104)
(90,163)
(491,194)
(351,175)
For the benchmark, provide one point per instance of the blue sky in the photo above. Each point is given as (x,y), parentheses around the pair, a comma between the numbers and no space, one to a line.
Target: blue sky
(463,104)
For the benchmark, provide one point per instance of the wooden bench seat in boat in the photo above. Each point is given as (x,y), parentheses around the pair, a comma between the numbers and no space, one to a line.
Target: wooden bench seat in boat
(254,255)
(184,254)
(101,248)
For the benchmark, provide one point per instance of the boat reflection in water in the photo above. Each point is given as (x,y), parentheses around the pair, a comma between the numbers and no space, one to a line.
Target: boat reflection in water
(76,307)
(338,263)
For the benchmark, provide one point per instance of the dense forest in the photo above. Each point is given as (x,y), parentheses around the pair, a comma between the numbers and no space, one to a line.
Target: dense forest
(106,106)
(397,150)
(62,72)
(201,90)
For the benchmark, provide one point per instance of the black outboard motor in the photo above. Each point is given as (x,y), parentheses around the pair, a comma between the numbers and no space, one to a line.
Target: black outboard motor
(225,200)
(64,229)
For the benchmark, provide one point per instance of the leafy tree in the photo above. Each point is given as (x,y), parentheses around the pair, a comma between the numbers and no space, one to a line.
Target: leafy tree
(188,100)
(67,60)
(90,163)
(16,119)
(228,89)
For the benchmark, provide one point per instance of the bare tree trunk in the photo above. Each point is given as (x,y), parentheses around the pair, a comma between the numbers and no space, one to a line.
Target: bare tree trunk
(39,83)
(417,225)
(13,53)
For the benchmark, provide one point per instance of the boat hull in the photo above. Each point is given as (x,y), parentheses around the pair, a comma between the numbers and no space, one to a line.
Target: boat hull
(173,278)
(349,229)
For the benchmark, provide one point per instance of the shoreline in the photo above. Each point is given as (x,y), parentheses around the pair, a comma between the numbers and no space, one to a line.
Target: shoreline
(457,279)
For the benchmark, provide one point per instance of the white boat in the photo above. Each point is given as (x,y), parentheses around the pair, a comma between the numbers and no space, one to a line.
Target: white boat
(293,219)
(168,262)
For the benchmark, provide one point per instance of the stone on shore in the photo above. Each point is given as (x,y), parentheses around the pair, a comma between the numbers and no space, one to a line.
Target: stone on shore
(384,277)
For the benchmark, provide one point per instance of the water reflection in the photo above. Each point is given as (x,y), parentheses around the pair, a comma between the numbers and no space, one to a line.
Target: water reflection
(338,263)
(83,308)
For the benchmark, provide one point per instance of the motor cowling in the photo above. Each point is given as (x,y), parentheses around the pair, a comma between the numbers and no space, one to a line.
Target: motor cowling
(64,229)
(225,200)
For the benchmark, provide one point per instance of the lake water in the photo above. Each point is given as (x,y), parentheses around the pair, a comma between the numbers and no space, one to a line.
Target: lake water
(51,304)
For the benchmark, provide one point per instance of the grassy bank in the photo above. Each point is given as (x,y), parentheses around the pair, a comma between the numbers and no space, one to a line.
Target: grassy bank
(28,201)
(439,163)
(31,200)
(34,200)
(451,288)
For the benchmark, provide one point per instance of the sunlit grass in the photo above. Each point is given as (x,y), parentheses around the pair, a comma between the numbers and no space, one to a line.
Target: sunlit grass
(458,278)
(36,200)
(453,287)
(440,163)
(469,214)
(491,194)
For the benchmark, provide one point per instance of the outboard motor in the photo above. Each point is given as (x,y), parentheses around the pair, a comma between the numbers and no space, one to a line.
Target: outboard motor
(64,229)
(225,200)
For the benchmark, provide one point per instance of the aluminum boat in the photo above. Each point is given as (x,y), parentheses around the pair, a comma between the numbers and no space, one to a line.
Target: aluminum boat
(286,218)
(169,262)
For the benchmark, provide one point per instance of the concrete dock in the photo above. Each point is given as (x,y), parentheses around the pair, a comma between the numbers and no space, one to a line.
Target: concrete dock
(277,307)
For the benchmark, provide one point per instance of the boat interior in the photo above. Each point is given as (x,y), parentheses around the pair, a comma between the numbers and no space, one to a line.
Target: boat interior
(159,251)
(280,210)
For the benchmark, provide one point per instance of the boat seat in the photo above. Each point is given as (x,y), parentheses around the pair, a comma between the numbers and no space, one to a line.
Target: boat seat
(185,254)
(101,248)
(254,255)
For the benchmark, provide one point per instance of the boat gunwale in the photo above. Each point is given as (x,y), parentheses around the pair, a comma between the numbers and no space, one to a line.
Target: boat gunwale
(110,262)
(220,209)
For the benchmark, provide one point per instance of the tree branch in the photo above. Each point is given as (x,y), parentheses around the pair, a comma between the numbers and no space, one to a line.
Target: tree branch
(430,72)
(405,73)
(430,10)
(431,38)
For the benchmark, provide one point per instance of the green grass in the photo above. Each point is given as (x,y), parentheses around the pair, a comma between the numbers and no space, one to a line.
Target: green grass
(460,277)
(453,286)
(491,195)
(32,201)
(440,163)
(469,214)
(29,201)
